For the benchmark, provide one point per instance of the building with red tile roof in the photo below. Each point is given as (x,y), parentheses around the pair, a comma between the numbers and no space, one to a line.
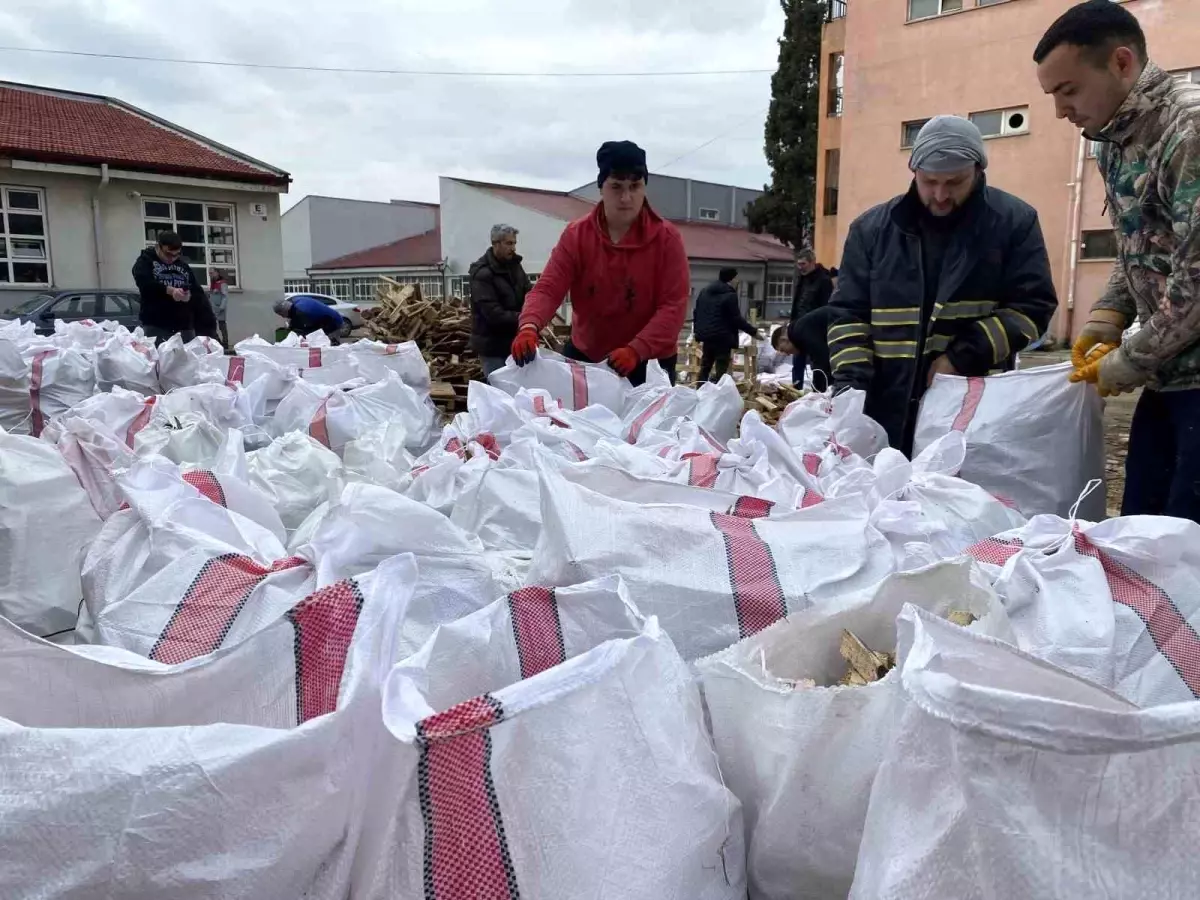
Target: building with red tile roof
(87,182)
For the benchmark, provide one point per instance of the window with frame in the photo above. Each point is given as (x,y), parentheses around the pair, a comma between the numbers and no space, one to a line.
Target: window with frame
(1098,245)
(1093,149)
(779,290)
(340,288)
(710,215)
(994,123)
(1187,76)
(296,286)
(833,102)
(909,132)
(928,9)
(24,239)
(208,232)
(366,290)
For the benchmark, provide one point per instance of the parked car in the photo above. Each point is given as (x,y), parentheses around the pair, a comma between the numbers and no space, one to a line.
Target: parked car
(351,314)
(45,309)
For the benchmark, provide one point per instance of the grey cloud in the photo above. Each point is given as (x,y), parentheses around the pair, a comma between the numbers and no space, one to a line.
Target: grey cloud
(381,137)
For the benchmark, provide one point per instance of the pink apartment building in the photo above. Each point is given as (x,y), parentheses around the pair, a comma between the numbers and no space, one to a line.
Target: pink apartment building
(890,65)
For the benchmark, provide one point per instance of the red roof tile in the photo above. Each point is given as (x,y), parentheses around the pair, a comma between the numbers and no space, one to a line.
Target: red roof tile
(53,126)
(419,250)
(703,240)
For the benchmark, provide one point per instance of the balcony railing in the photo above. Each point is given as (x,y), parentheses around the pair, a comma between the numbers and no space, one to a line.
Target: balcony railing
(837,10)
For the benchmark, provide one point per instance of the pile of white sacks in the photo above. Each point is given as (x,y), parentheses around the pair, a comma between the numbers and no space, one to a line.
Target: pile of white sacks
(269,634)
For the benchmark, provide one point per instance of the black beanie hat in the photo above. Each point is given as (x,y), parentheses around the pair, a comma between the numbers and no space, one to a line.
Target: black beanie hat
(622,157)
(727,275)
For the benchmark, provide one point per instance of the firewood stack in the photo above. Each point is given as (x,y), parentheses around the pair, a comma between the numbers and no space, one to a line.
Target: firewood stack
(768,400)
(441,328)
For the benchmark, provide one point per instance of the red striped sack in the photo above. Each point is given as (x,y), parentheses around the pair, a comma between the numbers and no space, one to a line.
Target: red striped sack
(520,770)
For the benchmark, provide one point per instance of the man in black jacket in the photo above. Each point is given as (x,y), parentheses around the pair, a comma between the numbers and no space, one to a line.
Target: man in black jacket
(951,278)
(716,321)
(173,300)
(814,287)
(498,288)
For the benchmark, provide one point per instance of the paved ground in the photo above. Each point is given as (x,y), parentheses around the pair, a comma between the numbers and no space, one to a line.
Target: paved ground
(1118,412)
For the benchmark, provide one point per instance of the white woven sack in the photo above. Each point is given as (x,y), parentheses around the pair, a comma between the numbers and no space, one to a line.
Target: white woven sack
(802,757)
(369,524)
(1033,438)
(1117,602)
(590,777)
(171,515)
(297,474)
(1009,778)
(199,361)
(58,380)
(375,360)
(572,384)
(243,775)
(189,439)
(378,456)
(46,524)
(711,577)
(816,421)
(335,417)
(126,362)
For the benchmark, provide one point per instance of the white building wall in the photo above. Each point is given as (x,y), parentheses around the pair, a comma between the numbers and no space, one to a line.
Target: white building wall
(468,215)
(296,232)
(73,247)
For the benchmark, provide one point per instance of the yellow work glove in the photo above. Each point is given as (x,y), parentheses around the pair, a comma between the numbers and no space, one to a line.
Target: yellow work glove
(1111,372)
(1104,326)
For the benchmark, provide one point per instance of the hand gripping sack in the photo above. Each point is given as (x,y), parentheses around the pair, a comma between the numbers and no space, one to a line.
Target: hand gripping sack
(1010,779)
(801,756)
(243,775)
(572,384)
(711,577)
(1033,438)
(531,772)
(46,525)
(1117,602)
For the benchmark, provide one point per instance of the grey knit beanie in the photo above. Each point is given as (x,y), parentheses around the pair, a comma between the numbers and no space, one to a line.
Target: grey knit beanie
(947,143)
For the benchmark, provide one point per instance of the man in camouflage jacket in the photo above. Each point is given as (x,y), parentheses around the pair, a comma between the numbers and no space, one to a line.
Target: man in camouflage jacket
(1094,62)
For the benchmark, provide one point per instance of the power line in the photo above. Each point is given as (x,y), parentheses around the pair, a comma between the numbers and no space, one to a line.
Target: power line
(345,70)
(736,125)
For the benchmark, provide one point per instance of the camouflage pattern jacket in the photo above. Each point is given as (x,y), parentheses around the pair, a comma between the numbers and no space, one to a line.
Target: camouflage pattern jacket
(1150,158)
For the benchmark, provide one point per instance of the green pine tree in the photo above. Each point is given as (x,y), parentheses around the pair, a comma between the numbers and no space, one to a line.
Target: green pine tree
(786,209)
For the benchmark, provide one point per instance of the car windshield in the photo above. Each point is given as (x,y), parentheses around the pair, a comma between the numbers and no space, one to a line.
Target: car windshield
(26,307)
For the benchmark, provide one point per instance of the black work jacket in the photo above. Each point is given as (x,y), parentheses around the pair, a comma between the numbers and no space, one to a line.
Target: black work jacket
(498,292)
(994,297)
(718,316)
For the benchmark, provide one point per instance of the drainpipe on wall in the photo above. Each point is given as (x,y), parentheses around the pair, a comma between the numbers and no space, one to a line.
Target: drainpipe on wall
(96,225)
(1076,219)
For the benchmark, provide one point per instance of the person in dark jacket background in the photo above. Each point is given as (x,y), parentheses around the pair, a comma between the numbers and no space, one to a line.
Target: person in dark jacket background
(173,300)
(498,288)
(950,278)
(814,287)
(308,314)
(716,320)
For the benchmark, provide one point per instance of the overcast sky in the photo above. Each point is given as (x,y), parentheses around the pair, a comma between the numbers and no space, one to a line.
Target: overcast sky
(378,137)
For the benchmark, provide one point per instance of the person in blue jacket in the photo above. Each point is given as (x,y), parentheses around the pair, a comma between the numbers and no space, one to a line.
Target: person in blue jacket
(308,314)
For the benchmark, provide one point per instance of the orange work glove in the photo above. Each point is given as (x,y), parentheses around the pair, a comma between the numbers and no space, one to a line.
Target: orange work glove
(623,360)
(525,347)
(1104,326)
(1089,370)
(1112,372)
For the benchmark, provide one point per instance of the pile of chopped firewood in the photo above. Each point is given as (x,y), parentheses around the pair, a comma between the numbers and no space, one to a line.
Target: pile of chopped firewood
(441,328)
(769,400)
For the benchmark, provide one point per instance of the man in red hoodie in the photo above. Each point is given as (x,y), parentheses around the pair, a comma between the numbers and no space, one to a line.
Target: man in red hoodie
(626,271)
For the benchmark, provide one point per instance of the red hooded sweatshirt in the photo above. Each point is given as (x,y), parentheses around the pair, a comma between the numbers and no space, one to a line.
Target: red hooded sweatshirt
(631,294)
